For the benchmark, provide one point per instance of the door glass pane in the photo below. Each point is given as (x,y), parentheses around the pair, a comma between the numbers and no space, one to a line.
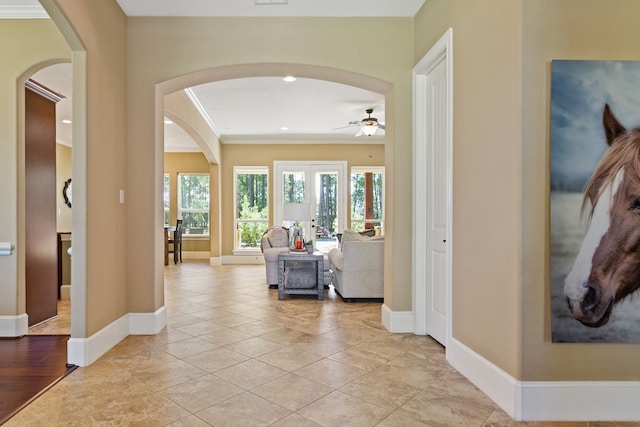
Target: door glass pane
(326,204)
(293,187)
(293,191)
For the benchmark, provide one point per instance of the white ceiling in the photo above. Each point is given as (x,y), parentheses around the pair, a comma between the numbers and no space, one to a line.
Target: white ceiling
(259,107)
(250,109)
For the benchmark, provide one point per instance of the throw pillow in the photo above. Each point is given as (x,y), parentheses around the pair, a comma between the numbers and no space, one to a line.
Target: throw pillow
(278,237)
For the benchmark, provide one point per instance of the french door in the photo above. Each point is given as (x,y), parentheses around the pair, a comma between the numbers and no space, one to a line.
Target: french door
(322,186)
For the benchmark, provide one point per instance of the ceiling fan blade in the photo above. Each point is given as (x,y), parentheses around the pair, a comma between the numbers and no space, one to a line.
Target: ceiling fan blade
(380,126)
(344,127)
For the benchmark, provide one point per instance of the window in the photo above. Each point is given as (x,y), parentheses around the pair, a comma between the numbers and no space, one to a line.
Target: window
(367,198)
(193,203)
(167,199)
(251,205)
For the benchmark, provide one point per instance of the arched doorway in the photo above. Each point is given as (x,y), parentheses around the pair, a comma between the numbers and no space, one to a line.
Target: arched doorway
(176,85)
(48,217)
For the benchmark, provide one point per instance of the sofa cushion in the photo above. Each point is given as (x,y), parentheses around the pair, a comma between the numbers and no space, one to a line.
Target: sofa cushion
(348,235)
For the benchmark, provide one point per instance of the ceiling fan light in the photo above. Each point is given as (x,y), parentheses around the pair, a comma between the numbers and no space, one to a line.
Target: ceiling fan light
(369,129)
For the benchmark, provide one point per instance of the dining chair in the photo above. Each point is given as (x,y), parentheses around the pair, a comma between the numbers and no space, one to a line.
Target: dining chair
(175,243)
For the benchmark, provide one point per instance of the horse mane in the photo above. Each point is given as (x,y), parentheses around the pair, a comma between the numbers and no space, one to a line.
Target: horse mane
(623,154)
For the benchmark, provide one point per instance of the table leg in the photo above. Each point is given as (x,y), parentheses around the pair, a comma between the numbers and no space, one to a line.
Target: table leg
(320,279)
(280,280)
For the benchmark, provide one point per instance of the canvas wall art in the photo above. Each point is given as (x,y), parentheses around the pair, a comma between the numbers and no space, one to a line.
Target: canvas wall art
(595,201)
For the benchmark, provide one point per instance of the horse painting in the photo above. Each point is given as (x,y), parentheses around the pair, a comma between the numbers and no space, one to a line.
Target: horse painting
(607,267)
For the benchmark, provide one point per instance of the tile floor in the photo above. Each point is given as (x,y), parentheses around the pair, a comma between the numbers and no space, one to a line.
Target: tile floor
(233,355)
(60,325)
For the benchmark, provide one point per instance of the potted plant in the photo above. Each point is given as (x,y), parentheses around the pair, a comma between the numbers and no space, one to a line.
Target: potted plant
(309,245)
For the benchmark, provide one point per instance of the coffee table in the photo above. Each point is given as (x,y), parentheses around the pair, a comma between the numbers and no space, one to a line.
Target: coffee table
(303,284)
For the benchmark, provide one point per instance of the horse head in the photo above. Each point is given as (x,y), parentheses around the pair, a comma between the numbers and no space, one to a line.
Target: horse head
(607,267)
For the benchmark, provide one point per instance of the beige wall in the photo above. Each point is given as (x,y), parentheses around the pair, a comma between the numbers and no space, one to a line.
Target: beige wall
(486,169)
(562,29)
(27,46)
(265,155)
(502,53)
(167,54)
(63,173)
(97,33)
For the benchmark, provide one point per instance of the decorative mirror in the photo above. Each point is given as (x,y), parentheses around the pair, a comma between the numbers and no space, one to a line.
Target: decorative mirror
(66,192)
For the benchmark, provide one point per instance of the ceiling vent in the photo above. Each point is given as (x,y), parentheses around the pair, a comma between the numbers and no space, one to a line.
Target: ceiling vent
(261,2)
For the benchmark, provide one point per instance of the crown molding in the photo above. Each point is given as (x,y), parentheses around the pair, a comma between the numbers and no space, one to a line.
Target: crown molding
(23,12)
(43,91)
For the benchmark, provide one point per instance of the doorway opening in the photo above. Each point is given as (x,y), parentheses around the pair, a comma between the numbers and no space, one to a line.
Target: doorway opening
(321,187)
(48,201)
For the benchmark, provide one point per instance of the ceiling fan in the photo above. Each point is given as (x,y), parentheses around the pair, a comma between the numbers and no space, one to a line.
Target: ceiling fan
(368,126)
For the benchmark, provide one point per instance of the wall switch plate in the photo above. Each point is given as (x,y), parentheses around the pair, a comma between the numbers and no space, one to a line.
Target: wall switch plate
(122,196)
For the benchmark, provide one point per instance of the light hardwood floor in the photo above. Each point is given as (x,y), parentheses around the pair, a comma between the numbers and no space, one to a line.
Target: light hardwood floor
(233,355)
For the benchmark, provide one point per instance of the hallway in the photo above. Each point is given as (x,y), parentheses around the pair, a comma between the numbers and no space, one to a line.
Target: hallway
(233,355)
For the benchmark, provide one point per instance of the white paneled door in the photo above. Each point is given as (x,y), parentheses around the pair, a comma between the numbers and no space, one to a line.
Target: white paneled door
(433,192)
(437,204)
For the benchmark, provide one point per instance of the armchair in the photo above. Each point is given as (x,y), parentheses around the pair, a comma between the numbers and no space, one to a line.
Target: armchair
(274,242)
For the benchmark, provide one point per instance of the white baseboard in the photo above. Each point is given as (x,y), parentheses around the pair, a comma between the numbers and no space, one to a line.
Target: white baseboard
(243,259)
(579,400)
(85,351)
(14,326)
(148,323)
(493,381)
(547,400)
(397,321)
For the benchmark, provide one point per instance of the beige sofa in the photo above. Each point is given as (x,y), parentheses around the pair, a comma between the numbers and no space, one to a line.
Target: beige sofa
(358,267)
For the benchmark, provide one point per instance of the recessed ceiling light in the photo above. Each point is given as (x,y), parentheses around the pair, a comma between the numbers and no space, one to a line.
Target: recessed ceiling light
(284,128)
(66,121)
(289,79)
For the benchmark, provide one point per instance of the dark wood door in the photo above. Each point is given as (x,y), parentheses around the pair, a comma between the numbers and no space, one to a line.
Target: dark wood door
(40,208)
